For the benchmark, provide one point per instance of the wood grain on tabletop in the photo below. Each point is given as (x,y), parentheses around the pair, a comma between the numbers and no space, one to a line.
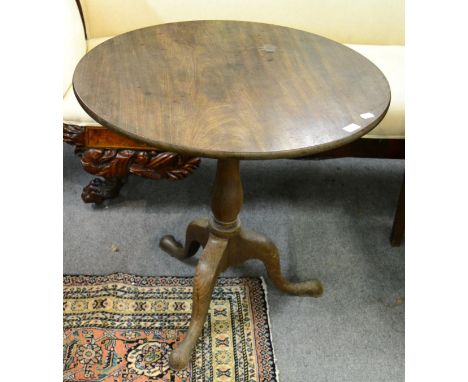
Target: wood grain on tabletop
(230,89)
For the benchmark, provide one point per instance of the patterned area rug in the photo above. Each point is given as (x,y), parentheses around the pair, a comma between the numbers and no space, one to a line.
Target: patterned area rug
(121,328)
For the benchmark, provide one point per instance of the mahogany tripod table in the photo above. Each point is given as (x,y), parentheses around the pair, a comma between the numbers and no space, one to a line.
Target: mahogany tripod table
(230,90)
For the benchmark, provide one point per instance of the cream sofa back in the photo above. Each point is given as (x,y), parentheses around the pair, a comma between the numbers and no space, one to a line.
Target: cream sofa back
(74,42)
(379,22)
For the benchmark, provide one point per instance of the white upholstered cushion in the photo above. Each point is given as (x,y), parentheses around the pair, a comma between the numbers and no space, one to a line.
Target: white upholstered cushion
(389,58)
(378,22)
(93,42)
(74,42)
(73,113)
(391,61)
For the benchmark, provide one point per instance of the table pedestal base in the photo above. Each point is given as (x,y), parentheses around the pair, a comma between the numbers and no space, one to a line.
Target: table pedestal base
(225,244)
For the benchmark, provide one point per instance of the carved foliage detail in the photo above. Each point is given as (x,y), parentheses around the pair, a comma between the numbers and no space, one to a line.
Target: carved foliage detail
(74,135)
(111,163)
(150,164)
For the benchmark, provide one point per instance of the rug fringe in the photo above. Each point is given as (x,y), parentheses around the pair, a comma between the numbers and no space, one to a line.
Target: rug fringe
(275,360)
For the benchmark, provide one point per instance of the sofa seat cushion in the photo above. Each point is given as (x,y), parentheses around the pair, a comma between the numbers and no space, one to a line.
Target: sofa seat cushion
(93,42)
(73,113)
(389,58)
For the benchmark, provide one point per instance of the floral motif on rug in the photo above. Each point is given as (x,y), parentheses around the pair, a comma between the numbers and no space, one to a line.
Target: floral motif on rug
(122,328)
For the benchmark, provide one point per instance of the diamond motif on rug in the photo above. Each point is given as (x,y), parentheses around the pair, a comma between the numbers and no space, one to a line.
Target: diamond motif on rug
(122,328)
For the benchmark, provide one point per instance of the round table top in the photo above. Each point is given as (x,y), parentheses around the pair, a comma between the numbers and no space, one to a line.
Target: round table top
(231,89)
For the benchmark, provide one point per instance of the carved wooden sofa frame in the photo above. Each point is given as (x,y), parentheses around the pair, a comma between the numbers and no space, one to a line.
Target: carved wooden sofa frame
(113,157)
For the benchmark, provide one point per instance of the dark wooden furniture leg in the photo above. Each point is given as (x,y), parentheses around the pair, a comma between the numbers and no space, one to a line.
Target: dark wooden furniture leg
(251,245)
(225,244)
(113,157)
(212,262)
(197,234)
(398,229)
(99,189)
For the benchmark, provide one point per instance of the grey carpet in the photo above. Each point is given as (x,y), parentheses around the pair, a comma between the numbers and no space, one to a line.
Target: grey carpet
(330,219)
